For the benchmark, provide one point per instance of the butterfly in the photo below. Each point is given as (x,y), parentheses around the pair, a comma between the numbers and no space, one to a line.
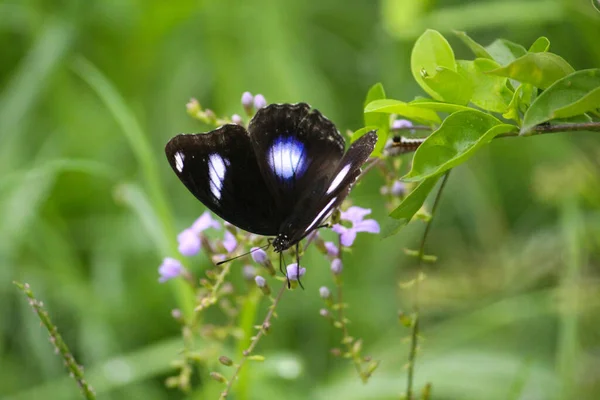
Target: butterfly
(281,177)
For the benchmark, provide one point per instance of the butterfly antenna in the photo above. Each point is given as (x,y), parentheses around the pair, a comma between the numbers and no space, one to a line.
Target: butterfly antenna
(266,246)
(298,265)
(281,263)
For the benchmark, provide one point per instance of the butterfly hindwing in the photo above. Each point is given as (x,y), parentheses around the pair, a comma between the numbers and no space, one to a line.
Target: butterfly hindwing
(296,149)
(221,170)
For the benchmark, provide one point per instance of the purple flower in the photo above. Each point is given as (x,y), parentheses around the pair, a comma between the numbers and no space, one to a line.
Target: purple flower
(398,188)
(169,269)
(189,243)
(401,124)
(355,215)
(236,119)
(332,249)
(249,272)
(337,266)
(259,101)
(260,281)
(259,255)
(292,272)
(324,292)
(247,99)
(229,242)
(204,222)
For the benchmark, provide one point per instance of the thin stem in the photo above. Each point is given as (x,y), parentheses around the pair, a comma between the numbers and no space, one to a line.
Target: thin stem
(56,339)
(342,320)
(263,329)
(414,338)
(408,145)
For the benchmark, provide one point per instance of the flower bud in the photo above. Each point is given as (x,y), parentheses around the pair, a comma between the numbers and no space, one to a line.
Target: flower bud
(337,266)
(259,101)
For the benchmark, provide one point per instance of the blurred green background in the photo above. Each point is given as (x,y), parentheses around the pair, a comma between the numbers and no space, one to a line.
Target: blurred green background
(90,91)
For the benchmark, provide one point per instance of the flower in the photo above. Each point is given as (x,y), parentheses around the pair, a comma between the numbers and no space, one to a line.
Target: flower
(189,243)
(259,255)
(236,119)
(332,249)
(229,242)
(355,215)
(259,101)
(169,269)
(247,99)
(398,188)
(260,281)
(324,292)
(204,222)
(249,272)
(293,272)
(189,240)
(337,266)
(401,124)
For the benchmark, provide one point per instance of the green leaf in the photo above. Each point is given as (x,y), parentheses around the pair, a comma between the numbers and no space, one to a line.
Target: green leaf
(409,207)
(389,106)
(431,51)
(541,45)
(438,106)
(476,48)
(504,51)
(457,139)
(569,96)
(489,91)
(596,4)
(512,111)
(539,69)
(451,86)
(380,121)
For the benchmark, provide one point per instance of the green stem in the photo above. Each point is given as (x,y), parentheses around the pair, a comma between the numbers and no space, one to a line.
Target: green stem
(414,337)
(56,339)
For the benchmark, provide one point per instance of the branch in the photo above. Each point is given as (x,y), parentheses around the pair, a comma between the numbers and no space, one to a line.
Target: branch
(414,338)
(403,145)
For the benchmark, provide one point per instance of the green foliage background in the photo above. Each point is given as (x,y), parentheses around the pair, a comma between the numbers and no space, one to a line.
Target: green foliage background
(90,91)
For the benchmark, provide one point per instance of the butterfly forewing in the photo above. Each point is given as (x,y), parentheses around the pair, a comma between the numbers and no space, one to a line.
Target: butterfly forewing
(221,170)
(297,150)
(317,204)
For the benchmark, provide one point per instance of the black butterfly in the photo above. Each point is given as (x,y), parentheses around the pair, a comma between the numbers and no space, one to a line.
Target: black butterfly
(282,177)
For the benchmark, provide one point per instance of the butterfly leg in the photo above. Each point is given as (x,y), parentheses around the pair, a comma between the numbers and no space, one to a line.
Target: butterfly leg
(298,264)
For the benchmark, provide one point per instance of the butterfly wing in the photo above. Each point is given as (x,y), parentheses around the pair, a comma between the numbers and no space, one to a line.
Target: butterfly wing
(221,170)
(297,149)
(317,205)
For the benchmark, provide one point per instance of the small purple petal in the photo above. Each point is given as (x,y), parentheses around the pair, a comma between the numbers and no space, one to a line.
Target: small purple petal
(169,269)
(236,119)
(401,123)
(339,229)
(398,188)
(229,242)
(259,255)
(260,281)
(204,222)
(368,225)
(189,243)
(259,101)
(332,249)
(249,272)
(292,272)
(337,266)
(247,99)
(347,238)
(355,214)
(324,292)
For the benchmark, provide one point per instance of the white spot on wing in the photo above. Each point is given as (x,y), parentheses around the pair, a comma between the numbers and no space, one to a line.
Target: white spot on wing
(286,157)
(321,214)
(179,157)
(339,178)
(217,166)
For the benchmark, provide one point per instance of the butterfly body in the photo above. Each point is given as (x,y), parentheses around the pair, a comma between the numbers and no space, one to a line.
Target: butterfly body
(281,177)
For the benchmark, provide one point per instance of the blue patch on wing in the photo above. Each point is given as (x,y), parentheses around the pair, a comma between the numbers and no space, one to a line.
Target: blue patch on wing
(287,158)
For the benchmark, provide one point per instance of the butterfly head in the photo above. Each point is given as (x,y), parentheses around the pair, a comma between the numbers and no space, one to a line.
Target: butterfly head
(281,243)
